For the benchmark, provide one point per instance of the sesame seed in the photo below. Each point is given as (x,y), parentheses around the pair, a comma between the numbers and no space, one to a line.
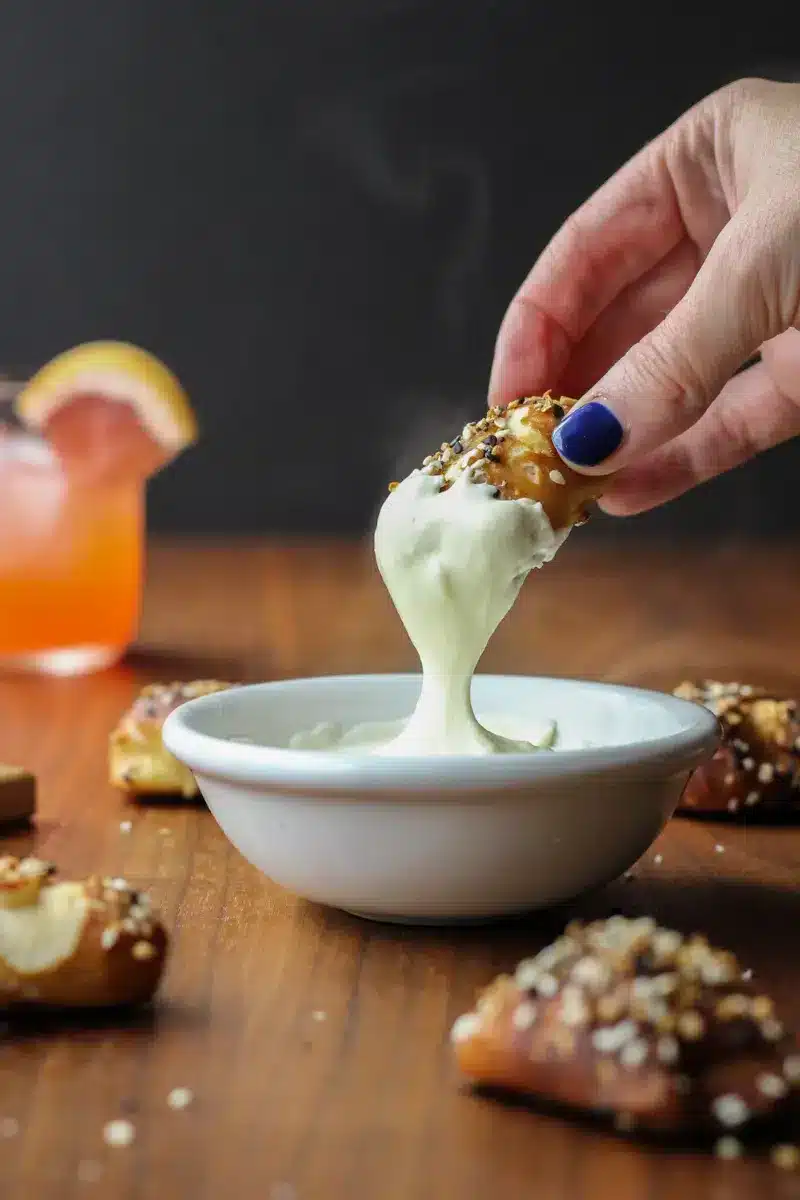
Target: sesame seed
(666,984)
(730,1109)
(658,859)
(752,798)
(634,1053)
(527,974)
(164,831)
(609,1040)
(691,1026)
(524,1016)
(791,1068)
(547,985)
(9,1127)
(719,848)
(465,1027)
(747,975)
(119,1133)
(762,1007)
(556,476)
(771,1086)
(180,1097)
(728,1148)
(785,1157)
(666,942)
(748,763)
(733,804)
(772,1029)
(125,826)
(732,1006)
(668,1049)
(319,1016)
(592,973)
(729,779)
(143,950)
(109,937)
(574,1009)
(766,773)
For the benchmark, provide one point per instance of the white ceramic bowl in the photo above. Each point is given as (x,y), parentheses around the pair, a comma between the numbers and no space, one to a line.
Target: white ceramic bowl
(450,838)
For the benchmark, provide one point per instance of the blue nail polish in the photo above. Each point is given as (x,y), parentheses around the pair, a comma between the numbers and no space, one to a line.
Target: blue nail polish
(589,435)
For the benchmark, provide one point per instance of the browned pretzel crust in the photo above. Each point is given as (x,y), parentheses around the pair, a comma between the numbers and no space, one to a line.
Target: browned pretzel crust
(758,763)
(512,449)
(75,944)
(625,1018)
(139,763)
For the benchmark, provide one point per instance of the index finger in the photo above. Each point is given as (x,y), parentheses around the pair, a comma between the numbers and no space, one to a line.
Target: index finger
(628,226)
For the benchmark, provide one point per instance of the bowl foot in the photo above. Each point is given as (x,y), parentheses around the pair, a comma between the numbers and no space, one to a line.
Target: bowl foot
(390,919)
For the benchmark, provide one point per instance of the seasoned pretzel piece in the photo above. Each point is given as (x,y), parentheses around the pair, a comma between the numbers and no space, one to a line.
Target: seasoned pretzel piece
(512,449)
(92,943)
(139,762)
(758,762)
(630,1020)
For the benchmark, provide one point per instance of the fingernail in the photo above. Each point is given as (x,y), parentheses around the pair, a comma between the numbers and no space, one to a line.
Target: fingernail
(589,435)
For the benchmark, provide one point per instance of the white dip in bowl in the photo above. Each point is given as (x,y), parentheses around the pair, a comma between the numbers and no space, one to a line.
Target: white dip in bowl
(441,837)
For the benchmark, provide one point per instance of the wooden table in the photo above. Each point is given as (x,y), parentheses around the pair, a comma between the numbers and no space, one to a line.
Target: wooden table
(316,1044)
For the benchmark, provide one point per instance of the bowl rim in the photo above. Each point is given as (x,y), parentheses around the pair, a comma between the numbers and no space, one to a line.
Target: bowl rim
(331,773)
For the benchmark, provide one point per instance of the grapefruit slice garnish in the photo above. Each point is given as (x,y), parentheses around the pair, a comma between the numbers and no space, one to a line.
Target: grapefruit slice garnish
(109,410)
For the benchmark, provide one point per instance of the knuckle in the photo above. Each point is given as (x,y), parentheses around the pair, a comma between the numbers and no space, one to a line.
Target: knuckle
(742,93)
(734,428)
(663,362)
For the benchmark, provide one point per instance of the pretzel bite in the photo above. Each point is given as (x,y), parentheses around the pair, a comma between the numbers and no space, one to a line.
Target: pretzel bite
(512,449)
(632,1021)
(85,944)
(758,762)
(139,763)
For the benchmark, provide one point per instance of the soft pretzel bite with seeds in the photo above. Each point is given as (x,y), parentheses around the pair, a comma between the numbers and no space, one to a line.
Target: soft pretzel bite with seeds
(635,1022)
(138,761)
(512,449)
(93,943)
(757,766)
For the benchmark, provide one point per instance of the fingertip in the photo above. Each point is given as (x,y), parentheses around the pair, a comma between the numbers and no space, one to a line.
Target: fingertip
(589,437)
(530,353)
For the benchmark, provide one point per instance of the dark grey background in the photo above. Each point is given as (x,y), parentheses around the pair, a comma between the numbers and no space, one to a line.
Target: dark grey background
(320,207)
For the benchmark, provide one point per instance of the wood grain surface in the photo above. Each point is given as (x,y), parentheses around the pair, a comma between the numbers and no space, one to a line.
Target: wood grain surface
(315,1045)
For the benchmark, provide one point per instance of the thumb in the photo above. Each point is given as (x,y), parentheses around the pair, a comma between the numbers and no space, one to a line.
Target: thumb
(667,380)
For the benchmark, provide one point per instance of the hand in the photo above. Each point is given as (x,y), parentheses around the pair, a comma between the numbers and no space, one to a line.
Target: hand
(658,288)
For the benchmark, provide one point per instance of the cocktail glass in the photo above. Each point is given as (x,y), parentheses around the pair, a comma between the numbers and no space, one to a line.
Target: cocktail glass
(71,557)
